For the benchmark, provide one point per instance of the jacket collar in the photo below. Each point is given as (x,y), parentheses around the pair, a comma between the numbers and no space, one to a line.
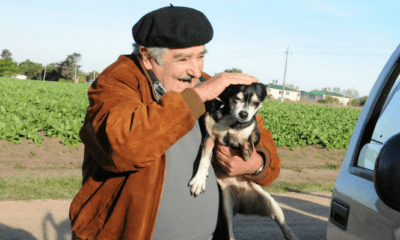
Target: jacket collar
(155,84)
(139,63)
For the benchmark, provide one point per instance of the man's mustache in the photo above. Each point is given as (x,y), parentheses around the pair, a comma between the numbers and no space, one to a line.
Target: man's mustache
(185,78)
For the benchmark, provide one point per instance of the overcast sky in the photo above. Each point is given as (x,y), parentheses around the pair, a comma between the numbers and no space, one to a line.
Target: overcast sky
(331,43)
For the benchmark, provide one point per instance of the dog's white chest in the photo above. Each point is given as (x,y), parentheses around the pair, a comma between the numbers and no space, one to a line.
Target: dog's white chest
(221,131)
(242,133)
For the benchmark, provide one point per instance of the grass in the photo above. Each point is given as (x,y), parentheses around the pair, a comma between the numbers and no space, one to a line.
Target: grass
(28,187)
(19,167)
(296,168)
(326,166)
(46,168)
(284,187)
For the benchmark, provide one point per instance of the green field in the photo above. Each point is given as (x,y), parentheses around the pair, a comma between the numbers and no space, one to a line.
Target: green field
(57,109)
(28,107)
(294,124)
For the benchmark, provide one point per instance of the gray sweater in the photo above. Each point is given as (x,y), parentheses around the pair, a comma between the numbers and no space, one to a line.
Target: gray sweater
(181,215)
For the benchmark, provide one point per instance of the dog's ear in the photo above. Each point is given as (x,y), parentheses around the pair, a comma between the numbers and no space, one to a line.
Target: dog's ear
(213,105)
(224,96)
(262,91)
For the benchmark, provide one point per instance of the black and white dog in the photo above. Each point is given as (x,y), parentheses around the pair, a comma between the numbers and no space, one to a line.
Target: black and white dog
(230,119)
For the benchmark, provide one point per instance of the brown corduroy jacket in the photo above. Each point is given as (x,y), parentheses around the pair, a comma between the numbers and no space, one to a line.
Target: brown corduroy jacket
(126,135)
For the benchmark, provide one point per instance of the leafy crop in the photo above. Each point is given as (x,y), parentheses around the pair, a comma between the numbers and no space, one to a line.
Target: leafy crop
(294,124)
(29,107)
(58,110)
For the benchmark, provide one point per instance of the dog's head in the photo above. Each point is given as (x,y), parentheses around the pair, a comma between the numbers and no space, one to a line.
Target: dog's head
(244,100)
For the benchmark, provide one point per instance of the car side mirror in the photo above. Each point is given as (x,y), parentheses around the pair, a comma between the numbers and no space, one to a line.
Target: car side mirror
(387,173)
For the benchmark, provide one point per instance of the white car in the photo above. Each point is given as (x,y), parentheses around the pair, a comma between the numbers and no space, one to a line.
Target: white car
(366,198)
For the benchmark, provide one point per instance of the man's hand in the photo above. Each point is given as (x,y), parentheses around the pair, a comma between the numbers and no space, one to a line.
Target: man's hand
(214,86)
(233,164)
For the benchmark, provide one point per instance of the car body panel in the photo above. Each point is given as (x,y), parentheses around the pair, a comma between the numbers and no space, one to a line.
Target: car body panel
(369,217)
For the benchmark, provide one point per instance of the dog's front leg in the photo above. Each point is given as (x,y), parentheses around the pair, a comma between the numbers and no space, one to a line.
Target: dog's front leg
(247,149)
(198,182)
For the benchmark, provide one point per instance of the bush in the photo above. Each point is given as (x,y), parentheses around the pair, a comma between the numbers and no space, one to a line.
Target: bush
(65,80)
(329,99)
(353,102)
(363,100)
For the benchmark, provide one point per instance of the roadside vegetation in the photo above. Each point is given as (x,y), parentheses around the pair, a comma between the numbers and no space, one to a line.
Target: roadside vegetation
(29,187)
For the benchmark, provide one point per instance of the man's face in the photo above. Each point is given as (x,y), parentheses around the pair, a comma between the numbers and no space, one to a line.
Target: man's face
(181,69)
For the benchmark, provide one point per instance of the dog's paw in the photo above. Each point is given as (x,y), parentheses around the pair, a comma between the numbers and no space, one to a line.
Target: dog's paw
(198,184)
(247,150)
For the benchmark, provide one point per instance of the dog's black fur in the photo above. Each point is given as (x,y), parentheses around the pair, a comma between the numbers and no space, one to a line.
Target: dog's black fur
(220,111)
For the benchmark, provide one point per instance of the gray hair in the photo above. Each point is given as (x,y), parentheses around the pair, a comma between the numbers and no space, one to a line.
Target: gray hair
(157,53)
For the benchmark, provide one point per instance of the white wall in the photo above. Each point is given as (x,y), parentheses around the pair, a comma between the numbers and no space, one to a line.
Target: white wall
(290,95)
(19,76)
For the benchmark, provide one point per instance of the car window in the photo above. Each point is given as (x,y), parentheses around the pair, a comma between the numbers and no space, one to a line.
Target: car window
(393,92)
(388,124)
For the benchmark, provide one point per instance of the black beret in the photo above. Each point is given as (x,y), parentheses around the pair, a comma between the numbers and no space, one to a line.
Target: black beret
(173,27)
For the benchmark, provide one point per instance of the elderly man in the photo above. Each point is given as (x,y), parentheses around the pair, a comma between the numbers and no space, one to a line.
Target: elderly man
(142,137)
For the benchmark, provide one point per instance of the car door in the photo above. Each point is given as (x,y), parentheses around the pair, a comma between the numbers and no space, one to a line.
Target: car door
(356,211)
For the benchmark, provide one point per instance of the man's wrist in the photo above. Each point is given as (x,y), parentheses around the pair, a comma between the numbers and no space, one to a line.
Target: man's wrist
(259,170)
(199,92)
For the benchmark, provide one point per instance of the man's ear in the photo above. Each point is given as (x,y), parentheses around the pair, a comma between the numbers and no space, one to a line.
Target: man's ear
(145,58)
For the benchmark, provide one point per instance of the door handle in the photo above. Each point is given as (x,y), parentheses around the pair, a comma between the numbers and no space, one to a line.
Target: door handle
(340,213)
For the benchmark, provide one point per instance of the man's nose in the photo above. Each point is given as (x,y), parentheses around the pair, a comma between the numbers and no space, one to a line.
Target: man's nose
(195,69)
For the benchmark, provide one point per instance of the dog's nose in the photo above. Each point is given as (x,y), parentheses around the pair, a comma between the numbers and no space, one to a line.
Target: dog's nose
(243,114)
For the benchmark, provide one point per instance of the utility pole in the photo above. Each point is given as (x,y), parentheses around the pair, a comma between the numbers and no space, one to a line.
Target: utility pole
(76,81)
(44,78)
(284,75)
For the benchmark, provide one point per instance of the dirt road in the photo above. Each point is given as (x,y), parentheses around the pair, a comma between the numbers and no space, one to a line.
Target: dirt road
(306,214)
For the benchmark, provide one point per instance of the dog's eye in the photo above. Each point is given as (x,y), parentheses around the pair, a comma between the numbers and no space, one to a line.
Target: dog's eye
(237,99)
(256,103)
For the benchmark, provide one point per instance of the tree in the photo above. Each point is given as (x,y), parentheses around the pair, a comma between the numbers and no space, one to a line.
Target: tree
(52,72)
(336,90)
(351,93)
(31,70)
(233,70)
(8,67)
(6,54)
(293,87)
(326,89)
(363,100)
(69,66)
(91,76)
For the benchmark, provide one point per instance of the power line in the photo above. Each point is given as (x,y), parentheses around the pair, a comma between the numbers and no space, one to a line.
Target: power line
(347,54)
(310,53)
(338,46)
